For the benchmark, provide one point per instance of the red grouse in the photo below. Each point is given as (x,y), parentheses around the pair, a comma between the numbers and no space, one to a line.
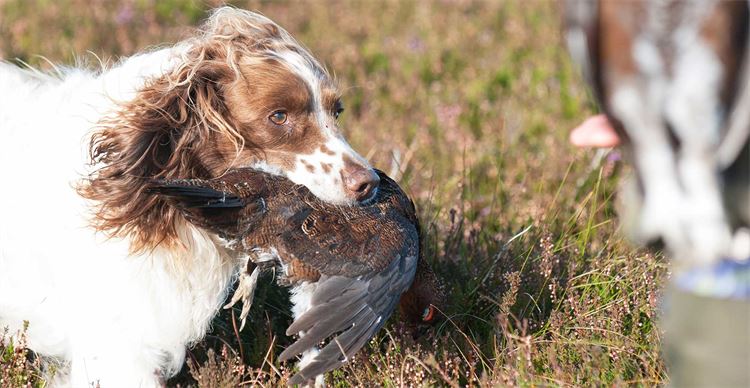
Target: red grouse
(348,265)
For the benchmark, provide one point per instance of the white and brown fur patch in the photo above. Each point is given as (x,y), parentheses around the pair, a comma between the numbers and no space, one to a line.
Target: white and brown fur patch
(244,93)
(667,75)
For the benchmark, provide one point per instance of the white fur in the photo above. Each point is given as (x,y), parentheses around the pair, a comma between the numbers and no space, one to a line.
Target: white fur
(120,319)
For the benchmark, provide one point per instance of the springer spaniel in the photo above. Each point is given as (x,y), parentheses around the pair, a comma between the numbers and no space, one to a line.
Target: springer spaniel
(113,281)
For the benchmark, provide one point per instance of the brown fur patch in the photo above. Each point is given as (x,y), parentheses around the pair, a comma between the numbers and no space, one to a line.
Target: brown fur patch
(329,98)
(326,150)
(308,166)
(616,35)
(266,87)
(158,135)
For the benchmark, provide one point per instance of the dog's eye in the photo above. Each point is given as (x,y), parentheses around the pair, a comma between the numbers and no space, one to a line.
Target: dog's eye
(338,109)
(278,117)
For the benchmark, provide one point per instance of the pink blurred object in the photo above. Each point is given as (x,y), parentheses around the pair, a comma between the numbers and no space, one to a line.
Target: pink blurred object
(596,131)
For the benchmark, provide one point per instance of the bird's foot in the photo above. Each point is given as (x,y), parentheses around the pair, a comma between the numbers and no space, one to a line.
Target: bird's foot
(245,292)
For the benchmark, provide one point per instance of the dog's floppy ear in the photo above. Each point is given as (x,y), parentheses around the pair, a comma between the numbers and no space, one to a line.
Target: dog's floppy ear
(215,210)
(170,128)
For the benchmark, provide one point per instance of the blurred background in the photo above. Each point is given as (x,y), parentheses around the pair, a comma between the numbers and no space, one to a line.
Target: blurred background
(468,105)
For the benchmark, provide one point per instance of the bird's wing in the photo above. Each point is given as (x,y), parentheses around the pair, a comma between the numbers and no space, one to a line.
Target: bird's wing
(353,308)
(191,194)
(214,207)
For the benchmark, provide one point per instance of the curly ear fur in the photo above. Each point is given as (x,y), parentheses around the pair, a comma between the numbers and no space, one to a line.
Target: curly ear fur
(176,127)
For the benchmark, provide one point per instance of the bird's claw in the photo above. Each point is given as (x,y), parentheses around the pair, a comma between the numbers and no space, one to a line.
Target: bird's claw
(245,291)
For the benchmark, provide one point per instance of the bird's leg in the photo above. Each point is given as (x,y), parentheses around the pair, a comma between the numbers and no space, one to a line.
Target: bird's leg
(246,289)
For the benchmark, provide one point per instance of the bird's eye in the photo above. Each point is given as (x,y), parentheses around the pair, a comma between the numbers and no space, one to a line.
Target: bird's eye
(338,109)
(278,117)
(428,314)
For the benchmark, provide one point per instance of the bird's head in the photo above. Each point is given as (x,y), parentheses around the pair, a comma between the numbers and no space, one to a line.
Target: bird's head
(425,300)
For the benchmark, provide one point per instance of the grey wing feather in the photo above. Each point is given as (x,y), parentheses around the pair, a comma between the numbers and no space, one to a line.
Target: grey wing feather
(359,307)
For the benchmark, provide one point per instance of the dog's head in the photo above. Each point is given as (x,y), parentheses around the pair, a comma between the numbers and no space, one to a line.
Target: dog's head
(286,108)
(241,93)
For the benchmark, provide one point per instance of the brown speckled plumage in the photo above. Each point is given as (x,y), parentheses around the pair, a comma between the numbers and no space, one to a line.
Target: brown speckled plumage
(274,212)
(361,258)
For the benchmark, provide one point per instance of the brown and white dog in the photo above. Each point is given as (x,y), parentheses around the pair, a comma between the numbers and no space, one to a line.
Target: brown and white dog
(674,79)
(112,280)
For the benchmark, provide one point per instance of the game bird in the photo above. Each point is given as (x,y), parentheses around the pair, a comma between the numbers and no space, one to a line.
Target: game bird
(348,266)
(673,78)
